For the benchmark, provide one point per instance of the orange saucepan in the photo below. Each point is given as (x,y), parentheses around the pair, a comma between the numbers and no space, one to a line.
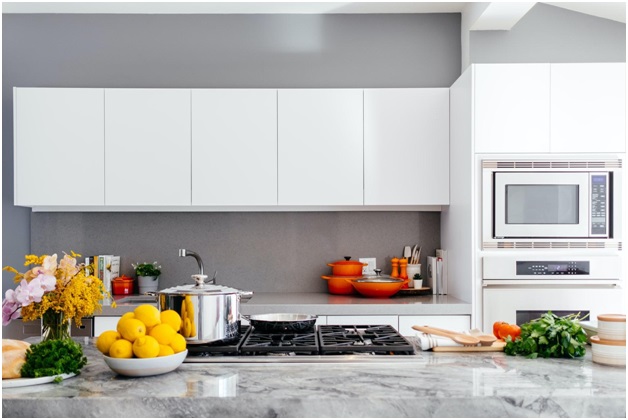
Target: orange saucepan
(340,285)
(347,267)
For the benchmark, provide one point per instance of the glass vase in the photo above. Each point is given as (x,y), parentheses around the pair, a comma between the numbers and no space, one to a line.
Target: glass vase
(54,326)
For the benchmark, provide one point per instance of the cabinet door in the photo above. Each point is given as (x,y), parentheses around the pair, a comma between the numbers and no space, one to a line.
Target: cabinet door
(406,146)
(448,322)
(234,144)
(147,147)
(320,147)
(511,108)
(59,146)
(588,107)
(105,323)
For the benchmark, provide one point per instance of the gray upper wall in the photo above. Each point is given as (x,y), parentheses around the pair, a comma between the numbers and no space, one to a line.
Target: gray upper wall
(549,34)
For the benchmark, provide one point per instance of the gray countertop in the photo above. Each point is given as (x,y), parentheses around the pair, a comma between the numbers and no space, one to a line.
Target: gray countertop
(327,304)
(425,385)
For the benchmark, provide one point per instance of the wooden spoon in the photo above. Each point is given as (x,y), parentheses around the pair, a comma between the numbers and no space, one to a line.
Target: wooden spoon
(465,340)
(485,339)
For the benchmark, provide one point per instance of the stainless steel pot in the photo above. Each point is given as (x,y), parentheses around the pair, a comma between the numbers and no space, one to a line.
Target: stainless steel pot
(208,312)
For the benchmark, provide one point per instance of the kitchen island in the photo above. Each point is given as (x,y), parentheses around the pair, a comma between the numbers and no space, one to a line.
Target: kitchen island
(427,384)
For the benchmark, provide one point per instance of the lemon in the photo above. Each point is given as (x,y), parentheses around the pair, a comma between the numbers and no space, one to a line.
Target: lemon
(145,347)
(106,339)
(178,343)
(128,315)
(172,318)
(165,350)
(121,349)
(148,314)
(131,329)
(163,333)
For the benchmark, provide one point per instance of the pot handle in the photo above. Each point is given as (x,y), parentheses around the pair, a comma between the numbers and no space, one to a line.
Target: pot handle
(151,293)
(245,296)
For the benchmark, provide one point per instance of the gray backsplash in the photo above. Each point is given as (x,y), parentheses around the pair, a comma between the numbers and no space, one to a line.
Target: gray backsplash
(262,252)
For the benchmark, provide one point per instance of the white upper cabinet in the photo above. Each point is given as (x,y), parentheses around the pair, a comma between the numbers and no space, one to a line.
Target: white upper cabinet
(512,108)
(59,146)
(234,147)
(588,107)
(320,147)
(406,146)
(147,147)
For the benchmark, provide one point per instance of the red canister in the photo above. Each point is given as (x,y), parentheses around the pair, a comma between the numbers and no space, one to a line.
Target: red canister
(122,285)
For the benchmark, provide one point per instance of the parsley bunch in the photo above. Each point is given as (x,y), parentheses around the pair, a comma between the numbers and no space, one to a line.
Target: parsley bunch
(550,336)
(53,357)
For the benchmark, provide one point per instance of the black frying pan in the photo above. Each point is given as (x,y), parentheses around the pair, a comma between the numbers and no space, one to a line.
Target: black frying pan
(277,323)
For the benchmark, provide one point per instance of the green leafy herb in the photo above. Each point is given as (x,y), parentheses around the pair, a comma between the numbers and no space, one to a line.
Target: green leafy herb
(53,357)
(550,336)
(147,269)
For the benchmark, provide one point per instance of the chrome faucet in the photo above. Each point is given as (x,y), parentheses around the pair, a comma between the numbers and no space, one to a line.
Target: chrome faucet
(201,275)
(187,253)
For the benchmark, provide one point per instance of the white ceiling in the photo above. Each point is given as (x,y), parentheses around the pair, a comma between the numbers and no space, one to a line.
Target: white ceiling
(608,10)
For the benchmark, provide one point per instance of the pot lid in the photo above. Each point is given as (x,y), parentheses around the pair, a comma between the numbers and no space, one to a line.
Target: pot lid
(200,288)
(378,278)
(347,262)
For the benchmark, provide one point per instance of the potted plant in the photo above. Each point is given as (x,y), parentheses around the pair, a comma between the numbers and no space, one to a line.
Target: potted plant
(147,276)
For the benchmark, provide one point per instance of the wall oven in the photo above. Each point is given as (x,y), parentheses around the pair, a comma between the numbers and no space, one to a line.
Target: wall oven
(551,203)
(521,287)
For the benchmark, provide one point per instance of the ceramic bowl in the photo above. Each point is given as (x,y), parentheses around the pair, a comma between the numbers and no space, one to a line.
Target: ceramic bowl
(611,327)
(608,352)
(145,367)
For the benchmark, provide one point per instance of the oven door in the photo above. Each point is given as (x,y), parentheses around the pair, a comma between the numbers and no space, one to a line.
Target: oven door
(541,205)
(520,304)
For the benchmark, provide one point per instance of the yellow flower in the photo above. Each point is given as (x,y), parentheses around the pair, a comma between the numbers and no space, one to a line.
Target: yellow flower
(33,259)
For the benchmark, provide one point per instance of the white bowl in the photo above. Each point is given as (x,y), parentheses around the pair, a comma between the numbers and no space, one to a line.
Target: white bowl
(608,352)
(611,327)
(145,367)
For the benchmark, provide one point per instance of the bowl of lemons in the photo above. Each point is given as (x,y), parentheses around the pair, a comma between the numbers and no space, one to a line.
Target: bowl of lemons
(146,342)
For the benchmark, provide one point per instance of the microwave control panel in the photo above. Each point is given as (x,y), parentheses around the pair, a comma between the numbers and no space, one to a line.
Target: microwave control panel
(555,268)
(599,204)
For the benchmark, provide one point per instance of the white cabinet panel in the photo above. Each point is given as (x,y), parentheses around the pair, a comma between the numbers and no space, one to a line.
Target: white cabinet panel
(147,147)
(59,146)
(391,320)
(234,147)
(105,323)
(320,147)
(588,107)
(512,108)
(406,146)
(447,322)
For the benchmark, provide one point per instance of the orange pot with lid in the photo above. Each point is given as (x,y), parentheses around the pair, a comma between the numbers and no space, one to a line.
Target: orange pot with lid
(340,285)
(378,286)
(122,285)
(347,267)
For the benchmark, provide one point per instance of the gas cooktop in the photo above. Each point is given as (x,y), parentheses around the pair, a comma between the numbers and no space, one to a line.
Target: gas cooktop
(322,342)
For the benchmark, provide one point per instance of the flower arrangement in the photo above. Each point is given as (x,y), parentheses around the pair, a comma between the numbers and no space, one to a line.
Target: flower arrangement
(147,269)
(55,292)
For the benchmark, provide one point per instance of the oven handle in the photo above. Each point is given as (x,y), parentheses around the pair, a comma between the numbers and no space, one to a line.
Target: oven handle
(608,282)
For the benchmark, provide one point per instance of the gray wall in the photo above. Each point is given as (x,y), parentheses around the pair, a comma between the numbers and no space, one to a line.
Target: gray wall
(549,34)
(257,251)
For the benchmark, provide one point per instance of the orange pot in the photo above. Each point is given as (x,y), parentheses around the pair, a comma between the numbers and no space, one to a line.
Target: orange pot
(377,288)
(122,285)
(378,285)
(340,285)
(347,268)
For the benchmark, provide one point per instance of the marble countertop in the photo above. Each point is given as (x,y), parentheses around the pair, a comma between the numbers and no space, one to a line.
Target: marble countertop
(425,385)
(328,304)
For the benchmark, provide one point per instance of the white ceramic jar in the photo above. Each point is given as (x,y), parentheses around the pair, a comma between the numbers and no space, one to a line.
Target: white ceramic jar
(608,352)
(611,327)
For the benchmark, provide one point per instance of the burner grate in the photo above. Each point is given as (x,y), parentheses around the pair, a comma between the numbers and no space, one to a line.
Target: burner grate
(377,339)
(222,348)
(264,343)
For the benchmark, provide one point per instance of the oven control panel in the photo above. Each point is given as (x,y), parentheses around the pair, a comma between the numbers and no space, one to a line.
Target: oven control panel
(552,268)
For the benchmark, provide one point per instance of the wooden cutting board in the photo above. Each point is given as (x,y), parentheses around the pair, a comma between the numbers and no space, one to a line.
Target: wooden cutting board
(496,346)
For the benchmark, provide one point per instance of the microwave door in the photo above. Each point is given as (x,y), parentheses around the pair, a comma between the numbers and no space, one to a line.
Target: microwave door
(541,205)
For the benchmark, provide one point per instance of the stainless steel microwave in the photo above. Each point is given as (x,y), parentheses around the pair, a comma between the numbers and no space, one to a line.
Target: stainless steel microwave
(551,199)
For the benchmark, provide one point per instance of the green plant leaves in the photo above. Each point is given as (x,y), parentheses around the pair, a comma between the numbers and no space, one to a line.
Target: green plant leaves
(550,336)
